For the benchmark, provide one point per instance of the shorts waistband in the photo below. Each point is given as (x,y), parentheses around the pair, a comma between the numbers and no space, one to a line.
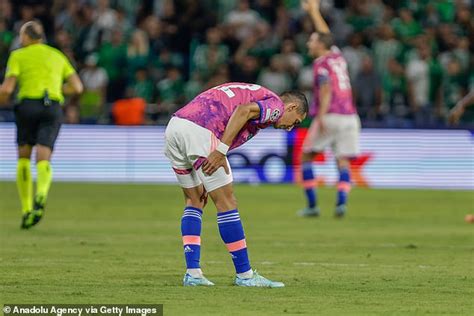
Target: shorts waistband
(41,100)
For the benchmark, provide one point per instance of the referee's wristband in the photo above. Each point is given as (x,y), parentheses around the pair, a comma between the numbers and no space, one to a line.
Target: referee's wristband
(222,148)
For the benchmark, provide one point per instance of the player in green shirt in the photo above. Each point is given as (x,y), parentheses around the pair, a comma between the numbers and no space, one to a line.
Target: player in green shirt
(43,74)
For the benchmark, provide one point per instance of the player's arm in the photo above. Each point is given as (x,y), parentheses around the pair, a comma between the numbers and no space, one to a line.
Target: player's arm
(11,75)
(7,88)
(73,85)
(312,7)
(456,113)
(237,121)
(324,102)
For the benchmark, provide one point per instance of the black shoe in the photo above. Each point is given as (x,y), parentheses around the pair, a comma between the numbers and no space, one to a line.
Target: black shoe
(26,220)
(37,213)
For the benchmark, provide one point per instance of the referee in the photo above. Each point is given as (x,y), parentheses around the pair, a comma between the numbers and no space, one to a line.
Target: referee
(43,74)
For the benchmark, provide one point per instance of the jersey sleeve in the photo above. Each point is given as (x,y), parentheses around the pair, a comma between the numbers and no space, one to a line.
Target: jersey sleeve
(13,66)
(271,109)
(322,75)
(68,70)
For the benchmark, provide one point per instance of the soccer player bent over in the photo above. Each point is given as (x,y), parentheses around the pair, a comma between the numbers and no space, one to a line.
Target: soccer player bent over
(198,137)
(336,123)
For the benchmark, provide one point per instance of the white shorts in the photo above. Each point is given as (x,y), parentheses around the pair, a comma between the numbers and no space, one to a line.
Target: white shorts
(187,146)
(342,134)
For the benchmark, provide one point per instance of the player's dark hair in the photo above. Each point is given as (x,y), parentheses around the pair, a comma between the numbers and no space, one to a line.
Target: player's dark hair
(298,98)
(326,39)
(34,30)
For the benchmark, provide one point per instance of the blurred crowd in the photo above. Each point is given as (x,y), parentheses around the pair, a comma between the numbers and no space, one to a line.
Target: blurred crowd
(410,61)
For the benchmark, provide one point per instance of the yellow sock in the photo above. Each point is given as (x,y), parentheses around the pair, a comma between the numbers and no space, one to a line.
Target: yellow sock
(24,184)
(43,182)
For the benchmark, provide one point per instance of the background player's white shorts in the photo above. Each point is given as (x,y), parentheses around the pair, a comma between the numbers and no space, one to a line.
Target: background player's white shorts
(187,145)
(342,134)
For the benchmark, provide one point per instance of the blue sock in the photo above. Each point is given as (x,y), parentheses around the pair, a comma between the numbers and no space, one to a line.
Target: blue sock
(309,184)
(232,233)
(344,186)
(191,232)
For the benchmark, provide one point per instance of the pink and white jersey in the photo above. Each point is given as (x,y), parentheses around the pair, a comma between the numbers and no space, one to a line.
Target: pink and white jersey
(213,108)
(332,68)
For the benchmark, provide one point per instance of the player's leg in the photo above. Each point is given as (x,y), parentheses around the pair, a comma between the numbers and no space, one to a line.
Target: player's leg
(309,184)
(346,146)
(195,199)
(26,123)
(220,188)
(231,229)
(343,186)
(314,143)
(44,174)
(24,183)
(48,131)
(191,223)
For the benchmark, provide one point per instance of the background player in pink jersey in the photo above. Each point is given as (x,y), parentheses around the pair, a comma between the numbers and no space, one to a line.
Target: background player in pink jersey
(198,137)
(336,122)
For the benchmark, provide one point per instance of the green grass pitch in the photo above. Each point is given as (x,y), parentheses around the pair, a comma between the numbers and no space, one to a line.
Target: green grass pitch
(397,252)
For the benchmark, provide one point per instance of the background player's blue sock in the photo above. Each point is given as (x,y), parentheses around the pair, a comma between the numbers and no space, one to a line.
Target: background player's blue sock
(309,184)
(191,232)
(232,233)
(343,186)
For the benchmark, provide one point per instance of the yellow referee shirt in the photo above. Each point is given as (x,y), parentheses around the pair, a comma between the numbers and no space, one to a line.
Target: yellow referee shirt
(39,68)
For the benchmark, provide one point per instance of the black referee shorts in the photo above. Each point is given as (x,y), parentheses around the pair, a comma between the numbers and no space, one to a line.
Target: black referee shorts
(36,123)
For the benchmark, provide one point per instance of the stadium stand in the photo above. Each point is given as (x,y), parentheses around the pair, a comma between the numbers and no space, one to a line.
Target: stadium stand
(410,61)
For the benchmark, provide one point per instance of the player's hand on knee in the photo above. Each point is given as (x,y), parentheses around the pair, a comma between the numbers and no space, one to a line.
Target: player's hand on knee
(213,162)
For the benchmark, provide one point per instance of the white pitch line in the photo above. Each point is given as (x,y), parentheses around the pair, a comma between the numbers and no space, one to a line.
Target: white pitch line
(361,265)
(304,263)
(331,264)
(423,267)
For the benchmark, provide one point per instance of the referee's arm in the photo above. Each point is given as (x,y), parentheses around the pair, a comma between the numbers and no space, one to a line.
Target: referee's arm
(73,85)
(6,89)
(11,74)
